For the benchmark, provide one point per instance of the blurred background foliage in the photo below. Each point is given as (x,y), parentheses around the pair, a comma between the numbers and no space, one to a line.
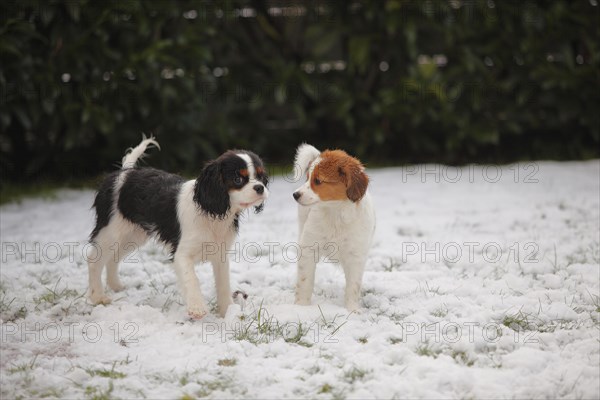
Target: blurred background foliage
(397,81)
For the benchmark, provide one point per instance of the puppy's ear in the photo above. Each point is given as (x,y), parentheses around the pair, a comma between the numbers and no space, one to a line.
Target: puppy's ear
(353,175)
(210,192)
(305,155)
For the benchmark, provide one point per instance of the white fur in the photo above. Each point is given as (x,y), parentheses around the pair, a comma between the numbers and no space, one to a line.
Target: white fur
(249,163)
(343,231)
(134,154)
(202,239)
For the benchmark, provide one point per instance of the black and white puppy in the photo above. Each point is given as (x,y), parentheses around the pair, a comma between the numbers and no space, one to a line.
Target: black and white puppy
(190,217)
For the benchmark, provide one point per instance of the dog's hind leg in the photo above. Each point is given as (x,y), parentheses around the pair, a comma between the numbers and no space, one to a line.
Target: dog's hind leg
(129,240)
(97,257)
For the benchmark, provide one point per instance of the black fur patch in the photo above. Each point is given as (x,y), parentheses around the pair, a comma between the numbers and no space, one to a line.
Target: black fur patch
(236,222)
(148,198)
(103,203)
(210,192)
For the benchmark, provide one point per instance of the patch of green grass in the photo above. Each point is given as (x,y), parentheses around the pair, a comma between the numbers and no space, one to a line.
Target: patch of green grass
(264,328)
(398,318)
(11,193)
(517,322)
(7,313)
(106,373)
(172,298)
(363,339)
(429,291)
(395,340)
(53,393)
(355,374)
(392,264)
(23,367)
(426,350)
(294,333)
(15,193)
(97,393)
(219,384)
(314,370)
(326,388)
(54,295)
(440,312)
(260,328)
(331,324)
(184,379)
(595,301)
(5,303)
(226,362)
(463,358)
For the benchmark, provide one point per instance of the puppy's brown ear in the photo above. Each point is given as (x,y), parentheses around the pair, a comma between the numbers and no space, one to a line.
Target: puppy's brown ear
(353,175)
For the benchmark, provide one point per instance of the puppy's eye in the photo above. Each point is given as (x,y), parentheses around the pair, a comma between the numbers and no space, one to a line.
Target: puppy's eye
(317,181)
(238,180)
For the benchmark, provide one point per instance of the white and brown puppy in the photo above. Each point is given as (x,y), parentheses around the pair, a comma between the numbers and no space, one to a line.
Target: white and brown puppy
(191,218)
(336,212)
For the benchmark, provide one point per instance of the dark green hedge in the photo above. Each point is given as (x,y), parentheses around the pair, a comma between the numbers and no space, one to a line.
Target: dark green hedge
(390,81)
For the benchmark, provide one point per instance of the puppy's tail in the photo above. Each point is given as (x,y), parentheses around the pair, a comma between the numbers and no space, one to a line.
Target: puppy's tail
(134,154)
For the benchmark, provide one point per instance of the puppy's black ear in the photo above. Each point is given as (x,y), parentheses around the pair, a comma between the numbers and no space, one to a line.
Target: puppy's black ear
(210,192)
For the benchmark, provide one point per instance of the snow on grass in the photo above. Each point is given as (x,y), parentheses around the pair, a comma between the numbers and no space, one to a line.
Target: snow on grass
(477,286)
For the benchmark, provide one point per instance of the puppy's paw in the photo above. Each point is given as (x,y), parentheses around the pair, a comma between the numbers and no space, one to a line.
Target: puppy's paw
(240,298)
(353,308)
(116,286)
(239,295)
(100,299)
(302,302)
(197,311)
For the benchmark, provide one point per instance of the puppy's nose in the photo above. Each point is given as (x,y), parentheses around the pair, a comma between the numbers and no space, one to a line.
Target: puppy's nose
(297,195)
(260,189)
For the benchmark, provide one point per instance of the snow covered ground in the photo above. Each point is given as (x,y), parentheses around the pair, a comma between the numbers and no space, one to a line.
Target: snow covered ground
(478,285)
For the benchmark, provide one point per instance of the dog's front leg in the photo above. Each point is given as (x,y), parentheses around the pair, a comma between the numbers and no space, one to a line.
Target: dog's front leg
(188,281)
(306,275)
(221,271)
(353,270)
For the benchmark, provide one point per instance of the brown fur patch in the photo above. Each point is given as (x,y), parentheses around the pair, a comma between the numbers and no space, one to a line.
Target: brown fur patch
(341,177)
(243,172)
